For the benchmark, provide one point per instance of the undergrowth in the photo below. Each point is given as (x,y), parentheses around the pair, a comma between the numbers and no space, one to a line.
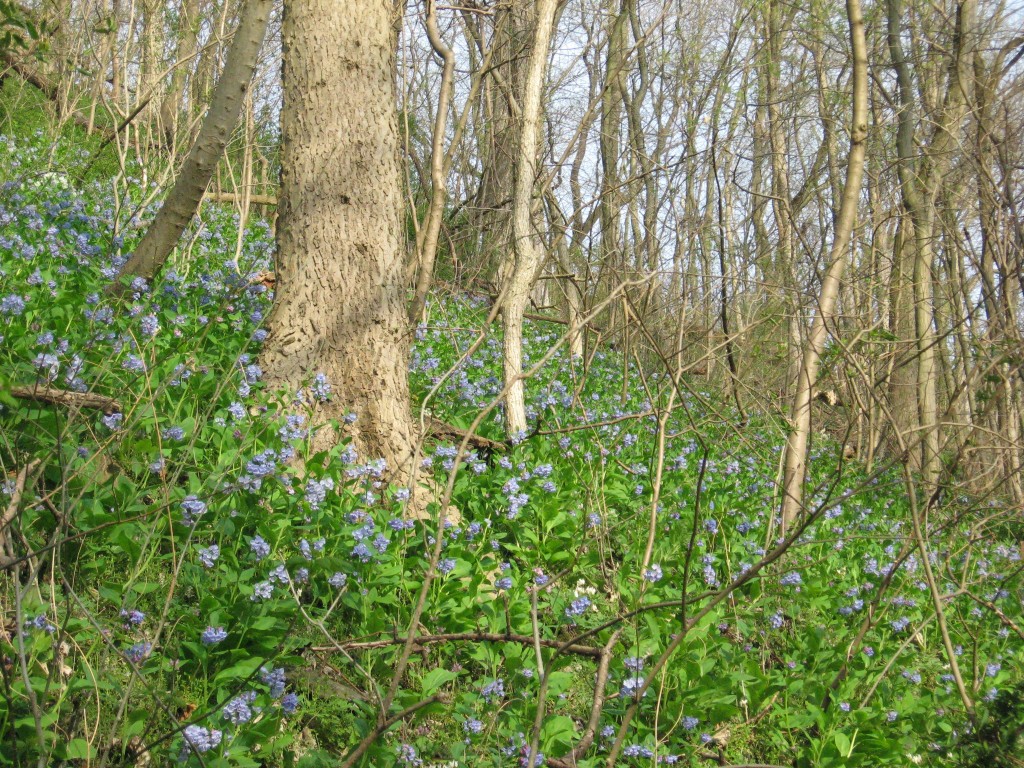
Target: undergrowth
(184,578)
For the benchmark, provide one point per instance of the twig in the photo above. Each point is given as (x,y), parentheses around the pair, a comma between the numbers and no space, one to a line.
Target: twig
(478,637)
(364,744)
(19,489)
(569,761)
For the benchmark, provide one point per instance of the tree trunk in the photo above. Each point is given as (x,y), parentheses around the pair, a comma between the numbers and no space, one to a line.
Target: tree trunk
(520,271)
(612,262)
(796,446)
(919,185)
(188,44)
(426,241)
(340,303)
(198,168)
(514,23)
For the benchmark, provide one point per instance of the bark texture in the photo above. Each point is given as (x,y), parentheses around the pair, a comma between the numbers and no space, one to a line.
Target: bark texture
(340,302)
(228,97)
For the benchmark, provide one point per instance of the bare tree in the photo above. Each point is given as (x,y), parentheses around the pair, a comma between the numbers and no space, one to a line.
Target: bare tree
(519,270)
(187,32)
(796,446)
(193,179)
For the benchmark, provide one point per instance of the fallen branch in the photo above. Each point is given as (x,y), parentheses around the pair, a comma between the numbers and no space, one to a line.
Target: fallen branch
(477,637)
(54,396)
(443,430)
(600,681)
(45,86)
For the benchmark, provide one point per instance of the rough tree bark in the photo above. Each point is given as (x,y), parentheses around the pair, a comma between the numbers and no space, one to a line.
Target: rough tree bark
(340,296)
(796,445)
(198,168)
(520,270)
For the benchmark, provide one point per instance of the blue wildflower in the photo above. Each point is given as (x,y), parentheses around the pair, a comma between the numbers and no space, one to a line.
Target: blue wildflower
(494,690)
(12,304)
(362,552)
(274,679)
(173,433)
(631,687)
(289,703)
(791,579)
(320,388)
(199,739)
(264,590)
(208,555)
(192,507)
(150,326)
(112,421)
(239,710)
(132,618)
(259,547)
(899,624)
(578,607)
(138,652)
(407,755)
(213,635)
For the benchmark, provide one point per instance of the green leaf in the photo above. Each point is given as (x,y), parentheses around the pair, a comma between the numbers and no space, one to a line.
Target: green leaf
(558,731)
(559,682)
(435,678)
(79,749)
(842,743)
(242,670)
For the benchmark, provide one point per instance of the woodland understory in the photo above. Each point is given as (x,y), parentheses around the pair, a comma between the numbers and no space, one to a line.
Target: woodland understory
(511,383)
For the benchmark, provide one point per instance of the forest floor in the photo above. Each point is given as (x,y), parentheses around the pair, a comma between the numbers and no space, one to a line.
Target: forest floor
(616,587)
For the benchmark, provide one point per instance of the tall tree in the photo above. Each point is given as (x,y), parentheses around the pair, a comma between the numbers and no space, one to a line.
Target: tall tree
(920,181)
(519,270)
(187,45)
(340,303)
(180,206)
(796,446)
(514,22)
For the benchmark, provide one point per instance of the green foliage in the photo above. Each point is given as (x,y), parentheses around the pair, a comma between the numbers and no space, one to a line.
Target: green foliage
(176,557)
(17,30)
(998,740)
